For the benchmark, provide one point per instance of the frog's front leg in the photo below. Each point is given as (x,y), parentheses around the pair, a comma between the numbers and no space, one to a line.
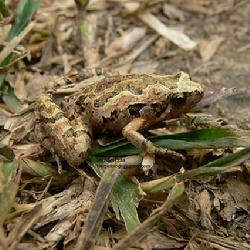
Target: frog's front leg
(130,131)
(69,139)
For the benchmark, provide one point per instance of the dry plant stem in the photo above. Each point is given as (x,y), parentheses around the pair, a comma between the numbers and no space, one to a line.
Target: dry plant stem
(81,4)
(147,225)
(98,210)
(213,97)
(221,243)
(14,42)
(87,28)
(45,190)
(89,41)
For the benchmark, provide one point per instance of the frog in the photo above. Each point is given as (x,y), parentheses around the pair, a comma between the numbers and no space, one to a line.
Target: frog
(113,105)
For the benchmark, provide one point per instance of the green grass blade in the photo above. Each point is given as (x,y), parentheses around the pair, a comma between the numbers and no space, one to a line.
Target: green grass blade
(8,96)
(25,10)
(125,195)
(212,168)
(203,138)
(146,227)
(43,170)
(9,187)
(125,199)
(220,165)
(4,9)
(7,153)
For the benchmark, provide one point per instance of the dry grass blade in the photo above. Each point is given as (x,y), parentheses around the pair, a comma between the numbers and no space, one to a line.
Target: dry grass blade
(221,243)
(95,217)
(87,29)
(15,41)
(64,208)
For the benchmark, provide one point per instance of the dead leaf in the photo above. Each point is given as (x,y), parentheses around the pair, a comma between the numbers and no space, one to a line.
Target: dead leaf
(240,191)
(4,115)
(20,88)
(225,204)
(175,36)
(37,83)
(208,48)
(127,41)
(161,46)
(205,209)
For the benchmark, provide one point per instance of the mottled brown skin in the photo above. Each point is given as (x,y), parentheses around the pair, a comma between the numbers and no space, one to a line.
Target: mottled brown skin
(115,101)
(113,105)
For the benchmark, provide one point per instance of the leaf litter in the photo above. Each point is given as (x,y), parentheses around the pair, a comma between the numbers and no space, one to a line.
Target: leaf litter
(202,204)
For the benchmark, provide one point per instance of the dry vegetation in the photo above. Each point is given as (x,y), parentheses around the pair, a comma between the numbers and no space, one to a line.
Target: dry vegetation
(203,203)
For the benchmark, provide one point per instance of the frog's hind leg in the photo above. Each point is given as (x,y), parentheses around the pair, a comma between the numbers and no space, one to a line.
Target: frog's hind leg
(68,139)
(130,131)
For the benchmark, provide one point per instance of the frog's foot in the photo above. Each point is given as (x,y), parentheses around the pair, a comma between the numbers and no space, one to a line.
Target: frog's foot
(130,131)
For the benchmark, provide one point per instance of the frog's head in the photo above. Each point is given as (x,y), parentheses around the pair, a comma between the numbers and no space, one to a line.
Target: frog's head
(186,93)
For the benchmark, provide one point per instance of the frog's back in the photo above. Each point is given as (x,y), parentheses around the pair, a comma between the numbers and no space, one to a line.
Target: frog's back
(114,101)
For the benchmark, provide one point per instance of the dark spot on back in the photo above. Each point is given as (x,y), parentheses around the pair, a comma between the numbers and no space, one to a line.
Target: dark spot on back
(114,113)
(113,116)
(134,109)
(80,99)
(53,119)
(158,108)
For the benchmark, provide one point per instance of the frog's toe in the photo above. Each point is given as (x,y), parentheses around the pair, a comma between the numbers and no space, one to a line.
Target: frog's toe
(148,162)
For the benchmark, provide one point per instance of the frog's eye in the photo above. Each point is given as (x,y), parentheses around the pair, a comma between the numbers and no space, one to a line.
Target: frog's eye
(179,99)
